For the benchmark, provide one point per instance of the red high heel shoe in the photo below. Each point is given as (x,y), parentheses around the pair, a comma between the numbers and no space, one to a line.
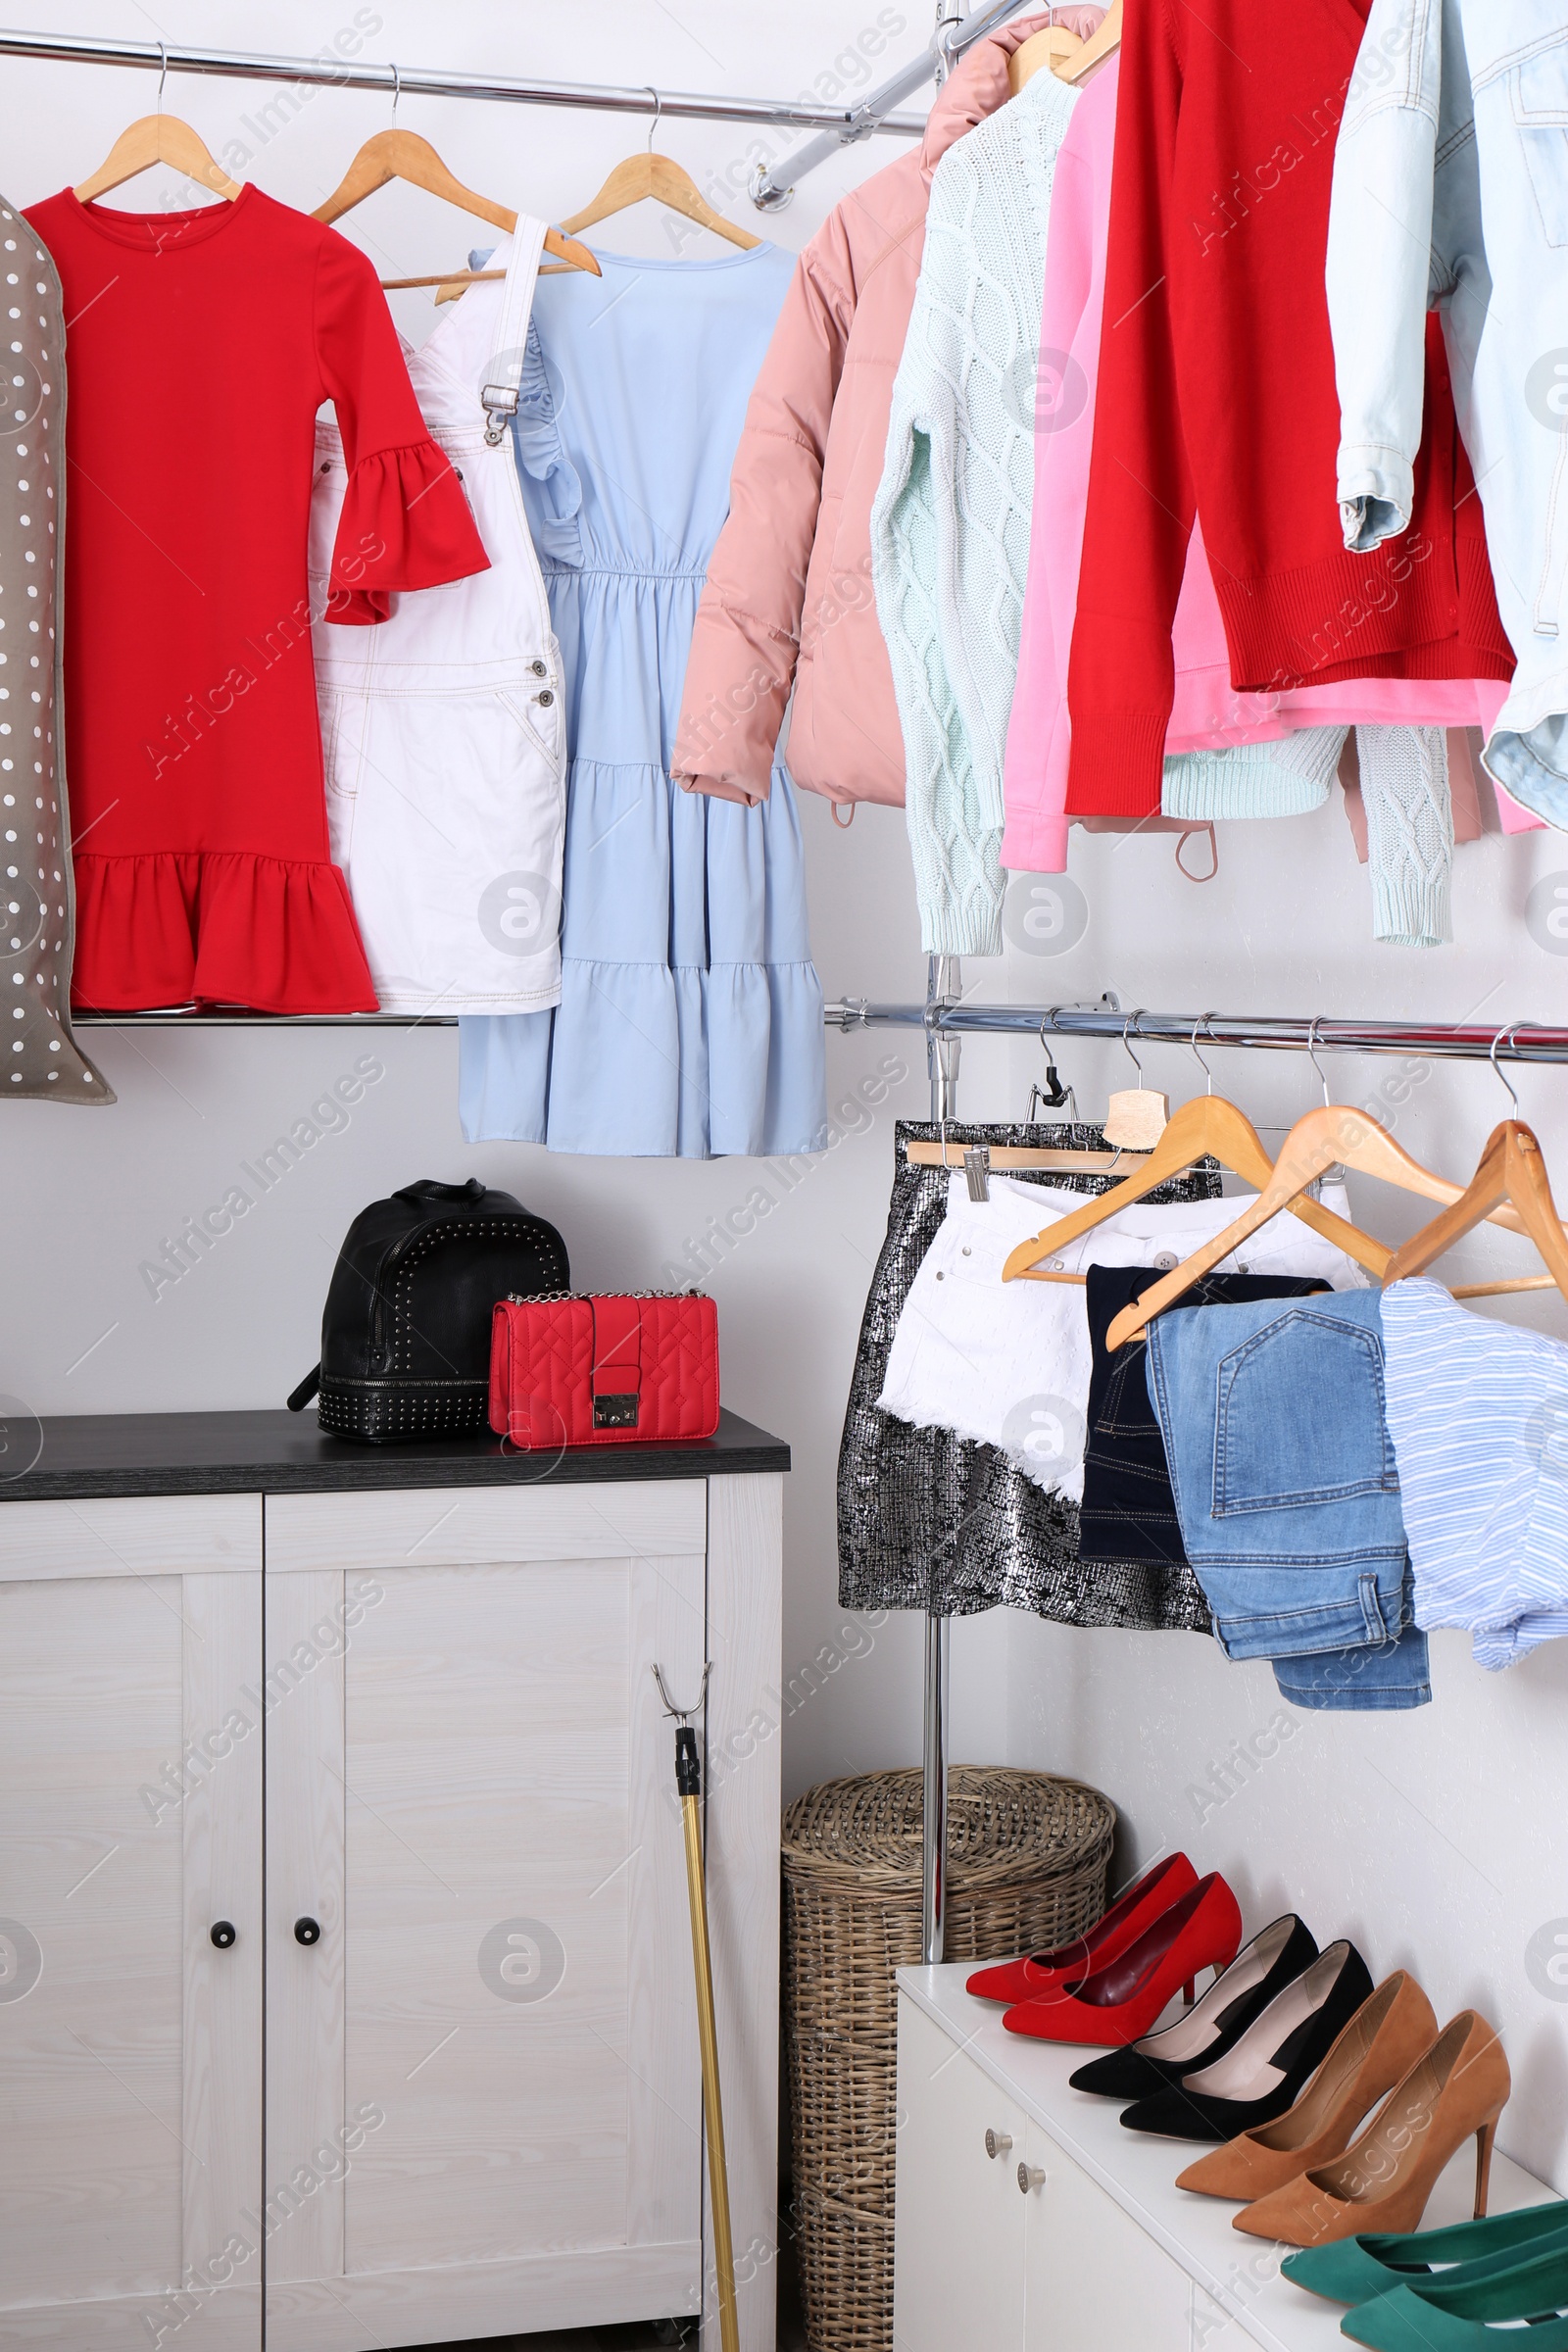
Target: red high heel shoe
(1120,2002)
(1035,1973)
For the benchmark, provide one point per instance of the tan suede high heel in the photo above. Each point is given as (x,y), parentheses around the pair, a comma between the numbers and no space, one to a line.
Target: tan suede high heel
(1381,2043)
(1384,2179)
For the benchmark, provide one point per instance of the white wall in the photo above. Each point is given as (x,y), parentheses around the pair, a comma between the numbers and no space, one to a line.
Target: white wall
(1432,1838)
(91,1198)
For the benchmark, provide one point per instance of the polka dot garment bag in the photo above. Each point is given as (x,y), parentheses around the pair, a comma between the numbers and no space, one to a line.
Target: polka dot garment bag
(39,1055)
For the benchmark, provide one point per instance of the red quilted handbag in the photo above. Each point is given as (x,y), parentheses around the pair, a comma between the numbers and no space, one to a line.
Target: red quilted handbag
(574,1368)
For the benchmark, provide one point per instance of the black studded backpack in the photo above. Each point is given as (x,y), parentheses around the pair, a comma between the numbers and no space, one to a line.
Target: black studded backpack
(405,1331)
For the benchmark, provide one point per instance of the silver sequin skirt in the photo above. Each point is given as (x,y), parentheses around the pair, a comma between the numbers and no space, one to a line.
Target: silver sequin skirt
(932,1521)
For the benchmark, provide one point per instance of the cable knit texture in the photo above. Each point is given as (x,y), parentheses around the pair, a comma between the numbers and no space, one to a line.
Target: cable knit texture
(1255,779)
(1409,833)
(1405,791)
(950,524)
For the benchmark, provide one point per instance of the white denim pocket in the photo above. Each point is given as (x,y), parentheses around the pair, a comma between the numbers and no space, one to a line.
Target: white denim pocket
(1538,93)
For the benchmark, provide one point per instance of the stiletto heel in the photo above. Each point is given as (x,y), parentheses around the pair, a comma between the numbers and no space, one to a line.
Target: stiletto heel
(1382,2181)
(1484,2139)
(1190,1992)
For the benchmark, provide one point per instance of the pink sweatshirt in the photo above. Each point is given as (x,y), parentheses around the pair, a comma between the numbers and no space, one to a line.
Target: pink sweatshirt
(1207,713)
(789,600)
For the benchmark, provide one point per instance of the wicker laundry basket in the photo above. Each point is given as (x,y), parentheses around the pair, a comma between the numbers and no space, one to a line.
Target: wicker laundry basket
(1027,1861)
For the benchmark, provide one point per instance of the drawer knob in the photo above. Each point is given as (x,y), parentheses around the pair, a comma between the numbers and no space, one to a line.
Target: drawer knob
(1030,2175)
(224,1933)
(997,2142)
(306,1931)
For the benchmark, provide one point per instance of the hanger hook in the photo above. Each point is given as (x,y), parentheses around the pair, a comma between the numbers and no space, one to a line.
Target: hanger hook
(397,90)
(1202,1022)
(163,76)
(1311,1055)
(1496,1066)
(1127,1023)
(682,1714)
(658,107)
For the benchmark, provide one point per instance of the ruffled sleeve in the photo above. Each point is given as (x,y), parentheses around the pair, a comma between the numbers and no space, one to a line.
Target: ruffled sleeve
(406,522)
(552,492)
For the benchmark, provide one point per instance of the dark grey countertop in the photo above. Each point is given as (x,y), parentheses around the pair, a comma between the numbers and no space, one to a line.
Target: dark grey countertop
(72,1458)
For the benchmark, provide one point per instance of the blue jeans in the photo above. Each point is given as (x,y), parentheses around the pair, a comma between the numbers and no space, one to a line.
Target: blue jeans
(1283,1471)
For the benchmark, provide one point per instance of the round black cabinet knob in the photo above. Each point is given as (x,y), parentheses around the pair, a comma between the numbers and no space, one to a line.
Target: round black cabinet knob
(306,1931)
(224,1933)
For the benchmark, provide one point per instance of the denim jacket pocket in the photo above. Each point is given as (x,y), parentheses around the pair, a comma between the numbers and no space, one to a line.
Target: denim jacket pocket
(1298,1417)
(1538,93)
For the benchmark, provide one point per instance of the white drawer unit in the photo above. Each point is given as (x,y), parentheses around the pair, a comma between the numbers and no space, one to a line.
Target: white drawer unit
(399,1759)
(1075,2237)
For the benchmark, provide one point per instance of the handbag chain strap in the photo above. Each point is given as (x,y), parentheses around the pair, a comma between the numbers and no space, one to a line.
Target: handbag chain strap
(558,1298)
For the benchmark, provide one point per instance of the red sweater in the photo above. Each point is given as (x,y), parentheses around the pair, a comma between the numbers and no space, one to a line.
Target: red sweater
(1217,395)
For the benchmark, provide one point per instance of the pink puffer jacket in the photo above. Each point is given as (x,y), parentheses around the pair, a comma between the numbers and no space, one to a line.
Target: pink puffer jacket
(788,592)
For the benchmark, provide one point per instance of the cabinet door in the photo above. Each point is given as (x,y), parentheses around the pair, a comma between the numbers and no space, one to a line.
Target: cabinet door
(130,2046)
(957,2251)
(484,2105)
(1093,2281)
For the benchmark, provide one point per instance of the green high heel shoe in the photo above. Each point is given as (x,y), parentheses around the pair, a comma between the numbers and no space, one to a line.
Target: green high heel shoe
(1352,2270)
(1454,2314)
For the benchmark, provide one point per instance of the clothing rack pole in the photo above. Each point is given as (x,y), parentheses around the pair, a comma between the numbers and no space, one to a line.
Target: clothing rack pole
(771,189)
(1433,1040)
(944,987)
(839,124)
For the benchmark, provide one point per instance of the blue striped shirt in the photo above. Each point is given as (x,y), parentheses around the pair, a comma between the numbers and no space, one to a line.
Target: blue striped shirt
(1478,1410)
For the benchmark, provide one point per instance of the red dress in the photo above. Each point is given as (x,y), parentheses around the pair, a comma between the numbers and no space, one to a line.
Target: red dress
(199,346)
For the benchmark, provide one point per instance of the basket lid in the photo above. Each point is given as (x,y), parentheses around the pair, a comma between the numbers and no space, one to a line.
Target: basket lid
(1001,1825)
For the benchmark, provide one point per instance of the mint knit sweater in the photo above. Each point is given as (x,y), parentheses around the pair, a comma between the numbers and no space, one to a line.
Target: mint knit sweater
(951,522)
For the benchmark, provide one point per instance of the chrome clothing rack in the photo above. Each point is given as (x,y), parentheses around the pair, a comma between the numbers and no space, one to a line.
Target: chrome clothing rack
(840,125)
(944,1018)
(947,1020)
(770,190)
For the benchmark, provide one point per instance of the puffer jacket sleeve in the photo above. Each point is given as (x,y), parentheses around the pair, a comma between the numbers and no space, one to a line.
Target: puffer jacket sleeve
(744,645)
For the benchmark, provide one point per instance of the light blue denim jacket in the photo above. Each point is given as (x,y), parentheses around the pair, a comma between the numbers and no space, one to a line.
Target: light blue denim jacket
(1450,192)
(1284,1475)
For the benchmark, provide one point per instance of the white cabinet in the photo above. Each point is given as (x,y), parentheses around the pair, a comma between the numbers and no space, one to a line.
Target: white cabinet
(488,2056)
(1093,2279)
(1098,2251)
(1017,2249)
(958,2270)
(431,1713)
(130,1827)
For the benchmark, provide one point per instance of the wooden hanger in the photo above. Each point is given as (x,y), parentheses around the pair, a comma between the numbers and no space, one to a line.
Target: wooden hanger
(1005,1158)
(1099,44)
(158,139)
(403,155)
(1053,47)
(1332,1136)
(667,183)
(1511,1169)
(1206,1126)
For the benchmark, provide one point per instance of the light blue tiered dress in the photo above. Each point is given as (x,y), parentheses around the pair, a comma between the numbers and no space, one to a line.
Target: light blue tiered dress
(691,1014)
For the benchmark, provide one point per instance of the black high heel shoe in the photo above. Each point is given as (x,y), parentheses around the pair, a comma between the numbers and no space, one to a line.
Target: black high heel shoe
(1260,1970)
(1267,2067)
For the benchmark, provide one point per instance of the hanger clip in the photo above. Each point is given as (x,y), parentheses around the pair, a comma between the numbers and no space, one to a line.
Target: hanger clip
(977,1169)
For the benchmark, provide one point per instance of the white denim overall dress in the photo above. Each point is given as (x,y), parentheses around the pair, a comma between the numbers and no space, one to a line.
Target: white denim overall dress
(442,727)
